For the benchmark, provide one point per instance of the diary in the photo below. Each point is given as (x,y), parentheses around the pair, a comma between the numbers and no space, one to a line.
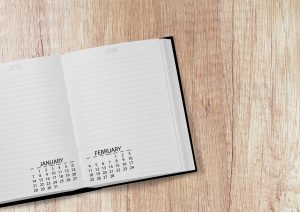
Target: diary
(90,119)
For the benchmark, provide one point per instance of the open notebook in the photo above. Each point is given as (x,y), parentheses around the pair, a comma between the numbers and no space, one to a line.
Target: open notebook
(90,119)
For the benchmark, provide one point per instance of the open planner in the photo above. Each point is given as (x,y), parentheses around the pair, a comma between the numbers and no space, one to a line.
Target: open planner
(90,119)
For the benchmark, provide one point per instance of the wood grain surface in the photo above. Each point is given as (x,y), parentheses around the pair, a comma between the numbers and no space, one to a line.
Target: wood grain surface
(240,67)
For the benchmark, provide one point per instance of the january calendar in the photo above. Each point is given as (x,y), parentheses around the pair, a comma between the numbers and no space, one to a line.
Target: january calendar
(53,174)
(90,119)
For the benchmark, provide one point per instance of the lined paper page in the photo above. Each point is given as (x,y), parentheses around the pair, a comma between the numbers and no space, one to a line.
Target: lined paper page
(121,110)
(35,128)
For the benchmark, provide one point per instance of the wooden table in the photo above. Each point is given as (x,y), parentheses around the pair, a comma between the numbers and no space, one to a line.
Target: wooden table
(240,67)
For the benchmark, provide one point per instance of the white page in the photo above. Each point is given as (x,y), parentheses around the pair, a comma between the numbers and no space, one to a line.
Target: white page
(35,126)
(178,105)
(119,100)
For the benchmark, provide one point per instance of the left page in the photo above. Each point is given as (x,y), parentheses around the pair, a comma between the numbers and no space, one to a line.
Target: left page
(38,153)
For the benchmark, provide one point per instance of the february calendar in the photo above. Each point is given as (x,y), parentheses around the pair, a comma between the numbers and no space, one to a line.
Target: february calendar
(109,164)
(90,119)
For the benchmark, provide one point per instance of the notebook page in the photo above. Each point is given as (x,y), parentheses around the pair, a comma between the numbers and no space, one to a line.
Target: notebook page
(38,153)
(122,113)
(178,105)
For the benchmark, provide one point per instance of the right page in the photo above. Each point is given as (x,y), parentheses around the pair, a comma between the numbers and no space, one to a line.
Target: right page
(123,102)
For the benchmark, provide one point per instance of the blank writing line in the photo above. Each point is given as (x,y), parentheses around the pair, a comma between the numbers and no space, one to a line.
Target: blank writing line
(35,103)
(136,56)
(21,100)
(32,108)
(125,121)
(20,115)
(15,125)
(25,83)
(122,86)
(118,135)
(116,80)
(119,112)
(22,138)
(119,107)
(21,151)
(33,128)
(124,93)
(22,89)
(24,76)
(121,69)
(55,118)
